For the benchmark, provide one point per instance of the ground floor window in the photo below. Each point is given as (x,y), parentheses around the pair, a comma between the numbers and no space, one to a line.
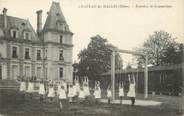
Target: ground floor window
(38,72)
(14,72)
(27,71)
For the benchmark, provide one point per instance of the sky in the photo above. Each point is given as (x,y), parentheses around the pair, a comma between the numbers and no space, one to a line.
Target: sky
(126,28)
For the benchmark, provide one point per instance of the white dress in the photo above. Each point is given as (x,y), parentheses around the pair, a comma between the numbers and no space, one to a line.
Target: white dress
(41,89)
(131,92)
(62,94)
(51,92)
(74,90)
(97,93)
(121,92)
(77,87)
(22,86)
(30,87)
(58,89)
(109,93)
(71,92)
(81,94)
(86,91)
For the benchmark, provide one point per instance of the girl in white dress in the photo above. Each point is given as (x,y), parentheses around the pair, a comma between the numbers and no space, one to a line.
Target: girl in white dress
(86,87)
(30,89)
(109,94)
(62,96)
(22,88)
(65,85)
(121,92)
(77,85)
(74,90)
(97,92)
(51,92)
(22,85)
(41,90)
(59,85)
(131,92)
(70,93)
(81,94)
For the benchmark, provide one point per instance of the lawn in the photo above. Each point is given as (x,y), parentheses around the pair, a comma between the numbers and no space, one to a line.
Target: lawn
(11,104)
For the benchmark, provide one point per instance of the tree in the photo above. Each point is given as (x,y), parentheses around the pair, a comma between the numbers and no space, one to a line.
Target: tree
(96,58)
(173,54)
(157,46)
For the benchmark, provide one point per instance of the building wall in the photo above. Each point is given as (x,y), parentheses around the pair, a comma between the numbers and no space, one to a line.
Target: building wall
(53,52)
(17,32)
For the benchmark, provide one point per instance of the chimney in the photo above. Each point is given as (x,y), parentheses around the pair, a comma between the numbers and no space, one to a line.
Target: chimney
(39,21)
(5,18)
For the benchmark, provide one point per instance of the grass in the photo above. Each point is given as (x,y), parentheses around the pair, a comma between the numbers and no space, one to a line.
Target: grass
(11,104)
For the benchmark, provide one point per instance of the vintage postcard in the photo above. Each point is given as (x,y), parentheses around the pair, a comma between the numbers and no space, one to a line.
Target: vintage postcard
(92,57)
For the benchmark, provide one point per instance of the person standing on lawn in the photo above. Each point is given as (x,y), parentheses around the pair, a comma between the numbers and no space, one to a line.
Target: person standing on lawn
(131,92)
(86,87)
(62,97)
(121,92)
(30,89)
(97,92)
(77,85)
(41,90)
(74,90)
(51,92)
(81,94)
(22,88)
(70,93)
(109,94)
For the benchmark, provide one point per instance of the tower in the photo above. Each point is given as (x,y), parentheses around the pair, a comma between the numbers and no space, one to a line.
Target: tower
(58,47)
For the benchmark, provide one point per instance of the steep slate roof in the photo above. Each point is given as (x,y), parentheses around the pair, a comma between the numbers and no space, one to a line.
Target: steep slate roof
(55,16)
(20,24)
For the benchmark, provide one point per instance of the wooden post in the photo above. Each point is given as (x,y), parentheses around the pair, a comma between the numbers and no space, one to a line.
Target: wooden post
(113,75)
(146,77)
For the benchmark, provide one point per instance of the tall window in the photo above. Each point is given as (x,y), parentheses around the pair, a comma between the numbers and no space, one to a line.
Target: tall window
(14,34)
(61,39)
(14,52)
(38,54)
(45,54)
(61,73)
(61,55)
(27,56)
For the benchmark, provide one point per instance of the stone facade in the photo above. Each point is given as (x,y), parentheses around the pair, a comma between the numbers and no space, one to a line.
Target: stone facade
(46,53)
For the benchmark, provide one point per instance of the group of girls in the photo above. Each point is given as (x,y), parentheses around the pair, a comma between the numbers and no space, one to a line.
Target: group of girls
(27,85)
(56,89)
(131,93)
(72,92)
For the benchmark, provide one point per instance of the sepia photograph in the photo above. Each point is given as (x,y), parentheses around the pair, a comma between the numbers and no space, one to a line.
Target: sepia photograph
(91,58)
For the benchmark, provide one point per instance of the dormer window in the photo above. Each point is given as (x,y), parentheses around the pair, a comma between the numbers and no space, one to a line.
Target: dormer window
(14,33)
(58,24)
(27,35)
(57,14)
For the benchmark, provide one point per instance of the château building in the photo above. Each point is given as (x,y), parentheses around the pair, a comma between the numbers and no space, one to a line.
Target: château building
(46,53)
